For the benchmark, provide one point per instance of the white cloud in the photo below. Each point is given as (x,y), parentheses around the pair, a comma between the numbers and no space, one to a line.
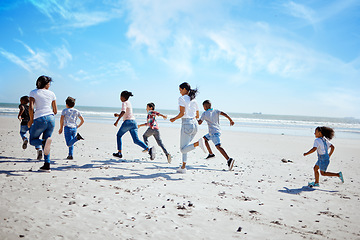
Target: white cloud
(63,56)
(36,61)
(300,11)
(15,59)
(106,71)
(75,14)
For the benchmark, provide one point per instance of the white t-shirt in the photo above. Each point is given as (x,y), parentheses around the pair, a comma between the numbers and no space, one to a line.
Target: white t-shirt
(127,108)
(190,106)
(319,144)
(43,100)
(70,117)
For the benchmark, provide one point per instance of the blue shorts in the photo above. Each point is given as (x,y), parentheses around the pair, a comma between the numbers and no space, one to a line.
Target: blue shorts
(323,162)
(215,138)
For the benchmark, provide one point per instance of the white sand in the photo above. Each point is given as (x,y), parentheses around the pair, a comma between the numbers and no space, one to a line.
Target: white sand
(96,196)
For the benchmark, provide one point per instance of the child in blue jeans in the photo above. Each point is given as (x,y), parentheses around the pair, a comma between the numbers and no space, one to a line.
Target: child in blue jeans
(129,125)
(24,118)
(68,120)
(322,145)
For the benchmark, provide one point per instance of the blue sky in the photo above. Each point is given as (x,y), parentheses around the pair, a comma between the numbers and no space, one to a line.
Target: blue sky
(274,57)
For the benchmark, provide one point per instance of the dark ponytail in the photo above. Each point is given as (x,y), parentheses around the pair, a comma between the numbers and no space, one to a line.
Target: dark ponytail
(42,81)
(126,95)
(326,132)
(191,92)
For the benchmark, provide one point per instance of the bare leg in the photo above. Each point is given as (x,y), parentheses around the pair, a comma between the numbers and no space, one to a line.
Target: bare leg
(316,172)
(329,174)
(208,146)
(222,151)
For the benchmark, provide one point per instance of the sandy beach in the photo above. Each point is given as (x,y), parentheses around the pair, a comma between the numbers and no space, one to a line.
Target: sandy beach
(97,196)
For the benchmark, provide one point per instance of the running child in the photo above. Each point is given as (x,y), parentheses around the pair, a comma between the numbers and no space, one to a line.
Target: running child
(24,118)
(130,125)
(321,145)
(211,116)
(69,117)
(153,129)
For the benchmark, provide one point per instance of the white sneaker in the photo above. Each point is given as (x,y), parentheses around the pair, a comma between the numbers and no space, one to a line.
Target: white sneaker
(202,144)
(181,170)
(47,146)
(169,158)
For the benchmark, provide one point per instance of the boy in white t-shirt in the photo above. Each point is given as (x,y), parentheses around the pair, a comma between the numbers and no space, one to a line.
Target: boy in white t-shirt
(211,116)
(68,120)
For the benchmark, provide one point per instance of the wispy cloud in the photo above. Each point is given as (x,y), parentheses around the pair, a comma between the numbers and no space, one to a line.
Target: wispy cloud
(63,56)
(122,70)
(15,59)
(300,11)
(314,16)
(76,14)
(35,61)
(251,47)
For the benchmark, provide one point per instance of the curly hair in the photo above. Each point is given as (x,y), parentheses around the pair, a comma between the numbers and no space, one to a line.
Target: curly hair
(326,132)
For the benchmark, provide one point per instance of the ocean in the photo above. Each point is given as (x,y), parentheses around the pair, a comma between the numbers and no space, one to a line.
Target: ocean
(244,122)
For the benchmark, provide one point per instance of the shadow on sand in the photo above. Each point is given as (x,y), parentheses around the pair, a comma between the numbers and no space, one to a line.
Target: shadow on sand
(303,189)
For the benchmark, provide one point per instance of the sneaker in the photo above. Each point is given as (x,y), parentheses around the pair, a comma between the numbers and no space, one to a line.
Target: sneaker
(47,146)
(152,153)
(25,142)
(39,154)
(210,156)
(341,177)
(230,163)
(202,144)
(169,158)
(79,137)
(70,157)
(45,167)
(181,170)
(119,155)
(313,184)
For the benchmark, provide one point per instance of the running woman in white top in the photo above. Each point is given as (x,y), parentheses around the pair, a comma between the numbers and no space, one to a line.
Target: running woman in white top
(189,113)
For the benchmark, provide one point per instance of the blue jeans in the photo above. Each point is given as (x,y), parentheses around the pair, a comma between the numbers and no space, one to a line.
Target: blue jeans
(23,130)
(70,138)
(129,125)
(45,126)
(189,129)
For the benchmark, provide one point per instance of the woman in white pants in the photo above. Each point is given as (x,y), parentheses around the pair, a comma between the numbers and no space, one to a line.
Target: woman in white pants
(189,113)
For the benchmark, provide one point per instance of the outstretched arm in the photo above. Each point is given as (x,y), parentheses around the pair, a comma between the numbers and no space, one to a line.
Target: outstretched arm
(310,151)
(180,115)
(228,117)
(118,116)
(164,116)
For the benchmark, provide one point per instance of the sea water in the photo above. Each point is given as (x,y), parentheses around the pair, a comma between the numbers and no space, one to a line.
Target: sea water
(244,122)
